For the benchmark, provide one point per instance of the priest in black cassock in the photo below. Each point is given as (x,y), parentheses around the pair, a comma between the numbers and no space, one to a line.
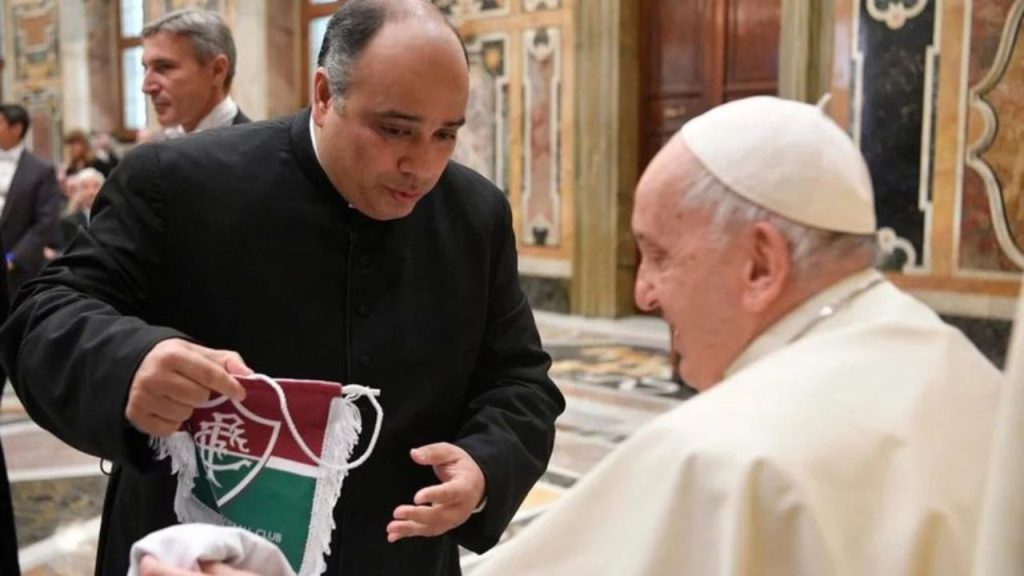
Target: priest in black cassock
(338,244)
(8,541)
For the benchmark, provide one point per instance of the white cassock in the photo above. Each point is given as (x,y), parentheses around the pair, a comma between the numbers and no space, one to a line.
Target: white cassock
(859,448)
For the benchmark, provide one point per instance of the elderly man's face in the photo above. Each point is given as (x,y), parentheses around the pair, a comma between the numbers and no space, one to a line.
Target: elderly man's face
(88,188)
(387,146)
(182,90)
(685,274)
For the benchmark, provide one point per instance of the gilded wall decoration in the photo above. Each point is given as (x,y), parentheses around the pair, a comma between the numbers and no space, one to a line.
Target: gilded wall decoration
(541,199)
(895,60)
(483,141)
(984,236)
(998,155)
(36,34)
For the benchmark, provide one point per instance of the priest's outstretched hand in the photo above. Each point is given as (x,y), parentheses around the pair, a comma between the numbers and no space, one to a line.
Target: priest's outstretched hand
(444,506)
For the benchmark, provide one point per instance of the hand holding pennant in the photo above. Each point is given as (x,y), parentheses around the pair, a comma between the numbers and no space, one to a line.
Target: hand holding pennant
(274,463)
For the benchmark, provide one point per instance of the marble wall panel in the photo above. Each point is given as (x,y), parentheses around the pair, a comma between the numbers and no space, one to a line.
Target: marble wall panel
(160,7)
(483,142)
(895,52)
(991,207)
(541,198)
(461,10)
(537,5)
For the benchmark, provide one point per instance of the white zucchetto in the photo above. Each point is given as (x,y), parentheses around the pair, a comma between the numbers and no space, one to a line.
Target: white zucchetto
(787,157)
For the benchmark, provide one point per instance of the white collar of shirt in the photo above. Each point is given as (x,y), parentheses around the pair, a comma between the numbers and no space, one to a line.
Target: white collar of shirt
(14,154)
(786,328)
(223,114)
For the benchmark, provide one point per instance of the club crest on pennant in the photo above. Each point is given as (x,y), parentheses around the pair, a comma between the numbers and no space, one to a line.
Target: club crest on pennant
(233,448)
(273,464)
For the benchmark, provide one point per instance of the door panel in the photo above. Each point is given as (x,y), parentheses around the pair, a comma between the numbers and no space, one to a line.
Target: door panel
(697,54)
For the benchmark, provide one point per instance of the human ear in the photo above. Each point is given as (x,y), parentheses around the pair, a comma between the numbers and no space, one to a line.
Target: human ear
(768,266)
(219,66)
(321,101)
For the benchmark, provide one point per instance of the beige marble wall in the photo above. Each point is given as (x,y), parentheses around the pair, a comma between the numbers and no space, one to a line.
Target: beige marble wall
(284,58)
(103,96)
(250,87)
(74,59)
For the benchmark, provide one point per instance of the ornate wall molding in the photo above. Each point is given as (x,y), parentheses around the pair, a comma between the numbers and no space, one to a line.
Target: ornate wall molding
(536,5)
(979,154)
(463,10)
(893,111)
(895,14)
(483,142)
(542,104)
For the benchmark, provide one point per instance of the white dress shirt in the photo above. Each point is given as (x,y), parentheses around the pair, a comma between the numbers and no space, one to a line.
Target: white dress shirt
(223,114)
(8,165)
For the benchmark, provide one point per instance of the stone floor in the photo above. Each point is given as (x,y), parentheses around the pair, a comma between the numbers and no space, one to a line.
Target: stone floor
(614,374)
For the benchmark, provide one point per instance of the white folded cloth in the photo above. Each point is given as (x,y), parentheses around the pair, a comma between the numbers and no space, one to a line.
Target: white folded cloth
(185,545)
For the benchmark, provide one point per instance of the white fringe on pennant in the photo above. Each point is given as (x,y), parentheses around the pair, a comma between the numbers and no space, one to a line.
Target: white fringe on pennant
(180,447)
(344,424)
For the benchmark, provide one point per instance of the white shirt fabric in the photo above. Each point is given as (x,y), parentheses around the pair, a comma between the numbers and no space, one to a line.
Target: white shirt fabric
(185,545)
(860,448)
(8,166)
(223,114)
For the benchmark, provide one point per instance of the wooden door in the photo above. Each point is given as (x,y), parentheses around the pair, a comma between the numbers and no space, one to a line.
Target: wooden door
(696,54)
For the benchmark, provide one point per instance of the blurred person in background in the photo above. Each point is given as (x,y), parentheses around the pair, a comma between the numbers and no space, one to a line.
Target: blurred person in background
(30,197)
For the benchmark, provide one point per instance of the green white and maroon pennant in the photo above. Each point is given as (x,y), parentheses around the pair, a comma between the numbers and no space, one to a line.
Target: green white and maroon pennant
(273,464)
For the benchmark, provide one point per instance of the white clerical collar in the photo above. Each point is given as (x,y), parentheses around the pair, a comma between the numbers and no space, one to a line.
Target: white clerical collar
(316,152)
(223,114)
(312,137)
(805,316)
(14,154)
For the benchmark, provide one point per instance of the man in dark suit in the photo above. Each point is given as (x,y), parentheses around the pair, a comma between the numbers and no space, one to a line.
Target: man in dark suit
(189,61)
(339,244)
(31,207)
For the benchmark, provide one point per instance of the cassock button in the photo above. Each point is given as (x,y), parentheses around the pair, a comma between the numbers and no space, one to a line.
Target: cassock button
(364,261)
(364,360)
(363,310)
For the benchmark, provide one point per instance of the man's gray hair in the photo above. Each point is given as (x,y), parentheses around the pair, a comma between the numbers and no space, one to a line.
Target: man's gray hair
(352,28)
(89,173)
(206,31)
(809,247)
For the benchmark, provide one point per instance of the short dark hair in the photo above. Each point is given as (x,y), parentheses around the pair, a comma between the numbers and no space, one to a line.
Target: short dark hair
(15,114)
(205,30)
(351,29)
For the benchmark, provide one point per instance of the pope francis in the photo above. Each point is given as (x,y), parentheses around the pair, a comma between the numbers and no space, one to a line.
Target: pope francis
(842,428)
